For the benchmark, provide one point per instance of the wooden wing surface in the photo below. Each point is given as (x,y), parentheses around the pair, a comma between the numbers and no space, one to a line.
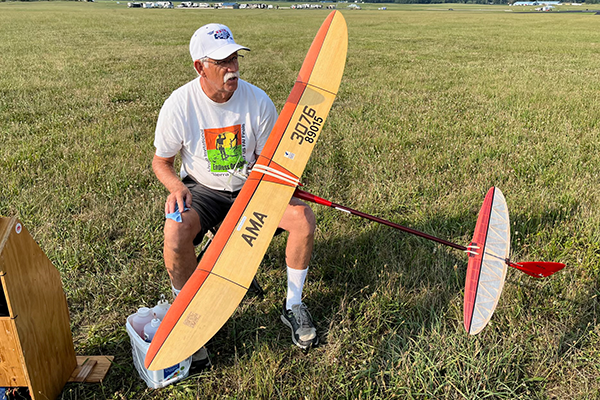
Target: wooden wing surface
(226,271)
(486,270)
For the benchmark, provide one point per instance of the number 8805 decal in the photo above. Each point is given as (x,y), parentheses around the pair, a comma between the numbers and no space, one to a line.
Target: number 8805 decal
(308,126)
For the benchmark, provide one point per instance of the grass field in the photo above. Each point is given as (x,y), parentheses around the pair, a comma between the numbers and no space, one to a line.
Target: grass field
(434,108)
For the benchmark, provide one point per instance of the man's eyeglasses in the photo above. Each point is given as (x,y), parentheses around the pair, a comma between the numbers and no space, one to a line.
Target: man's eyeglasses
(223,63)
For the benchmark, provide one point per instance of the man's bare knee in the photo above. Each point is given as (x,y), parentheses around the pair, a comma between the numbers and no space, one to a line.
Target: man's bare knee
(179,234)
(302,220)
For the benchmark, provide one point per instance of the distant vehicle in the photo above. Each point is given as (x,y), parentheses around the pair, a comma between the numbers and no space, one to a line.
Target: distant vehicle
(134,5)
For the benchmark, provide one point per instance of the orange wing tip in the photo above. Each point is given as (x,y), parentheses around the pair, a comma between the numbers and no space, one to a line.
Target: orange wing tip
(149,361)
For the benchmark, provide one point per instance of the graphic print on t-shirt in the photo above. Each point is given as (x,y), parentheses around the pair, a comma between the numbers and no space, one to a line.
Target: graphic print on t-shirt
(224,148)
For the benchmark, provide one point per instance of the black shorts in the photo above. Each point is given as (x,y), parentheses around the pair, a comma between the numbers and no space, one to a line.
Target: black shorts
(211,205)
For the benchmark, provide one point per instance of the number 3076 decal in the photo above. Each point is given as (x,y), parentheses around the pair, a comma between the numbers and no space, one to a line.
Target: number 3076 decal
(307,127)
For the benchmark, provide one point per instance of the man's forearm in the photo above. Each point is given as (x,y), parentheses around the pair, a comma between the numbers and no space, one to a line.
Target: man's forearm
(165,172)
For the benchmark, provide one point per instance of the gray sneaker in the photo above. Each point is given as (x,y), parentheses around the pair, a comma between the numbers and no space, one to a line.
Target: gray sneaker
(200,361)
(299,320)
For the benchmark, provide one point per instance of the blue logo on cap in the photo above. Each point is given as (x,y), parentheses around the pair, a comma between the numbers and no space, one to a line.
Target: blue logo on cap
(222,34)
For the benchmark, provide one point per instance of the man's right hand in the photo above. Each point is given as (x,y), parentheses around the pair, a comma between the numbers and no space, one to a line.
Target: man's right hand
(180,197)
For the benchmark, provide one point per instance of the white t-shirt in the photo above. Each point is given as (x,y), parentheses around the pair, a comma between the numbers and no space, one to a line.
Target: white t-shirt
(214,138)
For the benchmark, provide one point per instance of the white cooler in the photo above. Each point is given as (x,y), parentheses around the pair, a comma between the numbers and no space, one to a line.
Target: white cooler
(154,379)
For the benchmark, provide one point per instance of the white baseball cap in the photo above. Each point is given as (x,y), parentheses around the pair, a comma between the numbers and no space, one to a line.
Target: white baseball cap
(214,41)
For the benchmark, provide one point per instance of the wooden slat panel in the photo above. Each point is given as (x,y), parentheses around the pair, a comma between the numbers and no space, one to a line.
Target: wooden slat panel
(99,371)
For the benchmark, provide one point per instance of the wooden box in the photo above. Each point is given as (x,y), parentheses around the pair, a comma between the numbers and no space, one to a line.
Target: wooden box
(36,346)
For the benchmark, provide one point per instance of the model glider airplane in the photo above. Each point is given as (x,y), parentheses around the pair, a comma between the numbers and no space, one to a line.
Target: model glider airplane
(488,256)
(227,269)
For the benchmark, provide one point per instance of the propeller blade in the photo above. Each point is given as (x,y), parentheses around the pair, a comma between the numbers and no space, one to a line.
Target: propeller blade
(538,269)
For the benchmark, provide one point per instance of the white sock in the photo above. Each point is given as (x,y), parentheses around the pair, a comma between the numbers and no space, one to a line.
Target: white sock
(175,291)
(296,278)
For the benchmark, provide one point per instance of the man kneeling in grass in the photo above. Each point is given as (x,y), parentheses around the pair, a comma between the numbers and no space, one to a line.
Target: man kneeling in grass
(218,123)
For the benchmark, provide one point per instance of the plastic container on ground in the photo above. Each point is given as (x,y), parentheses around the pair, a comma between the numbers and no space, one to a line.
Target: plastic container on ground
(150,329)
(154,379)
(140,319)
(161,308)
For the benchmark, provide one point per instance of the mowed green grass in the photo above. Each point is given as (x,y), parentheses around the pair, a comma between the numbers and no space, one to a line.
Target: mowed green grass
(434,108)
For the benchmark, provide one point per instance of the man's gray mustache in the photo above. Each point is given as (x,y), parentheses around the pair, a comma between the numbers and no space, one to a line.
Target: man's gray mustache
(230,75)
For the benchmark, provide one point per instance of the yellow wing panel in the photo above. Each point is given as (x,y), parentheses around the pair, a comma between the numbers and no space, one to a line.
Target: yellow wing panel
(250,239)
(328,70)
(198,323)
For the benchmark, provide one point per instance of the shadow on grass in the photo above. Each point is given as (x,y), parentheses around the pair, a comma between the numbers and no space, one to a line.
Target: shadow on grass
(374,289)
(379,279)
(398,278)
